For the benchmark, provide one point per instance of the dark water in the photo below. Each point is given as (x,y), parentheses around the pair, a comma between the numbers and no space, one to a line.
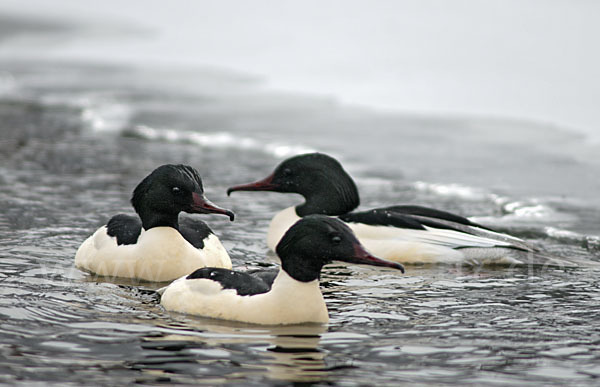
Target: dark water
(77,137)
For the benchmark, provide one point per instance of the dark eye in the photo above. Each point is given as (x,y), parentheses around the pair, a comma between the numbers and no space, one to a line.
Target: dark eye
(287,172)
(176,190)
(336,240)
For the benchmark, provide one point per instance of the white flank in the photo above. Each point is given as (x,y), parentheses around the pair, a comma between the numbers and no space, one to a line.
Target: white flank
(419,246)
(431,245)
(288,302)
(160,254)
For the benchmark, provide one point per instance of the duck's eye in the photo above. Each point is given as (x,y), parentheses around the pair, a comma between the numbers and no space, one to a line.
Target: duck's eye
(176,190)
(287,172)
(336,239)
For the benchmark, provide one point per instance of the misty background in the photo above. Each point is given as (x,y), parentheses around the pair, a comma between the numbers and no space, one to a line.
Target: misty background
(529,60)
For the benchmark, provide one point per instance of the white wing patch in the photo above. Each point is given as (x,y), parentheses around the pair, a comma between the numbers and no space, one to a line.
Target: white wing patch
(435,236)
(420,246)
(456,239)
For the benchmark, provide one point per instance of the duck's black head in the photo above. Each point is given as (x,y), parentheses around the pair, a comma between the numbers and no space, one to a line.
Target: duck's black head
(325,185)
(315,241)
(169,190)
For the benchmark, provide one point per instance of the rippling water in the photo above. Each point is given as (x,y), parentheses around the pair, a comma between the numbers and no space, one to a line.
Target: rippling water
(76,139)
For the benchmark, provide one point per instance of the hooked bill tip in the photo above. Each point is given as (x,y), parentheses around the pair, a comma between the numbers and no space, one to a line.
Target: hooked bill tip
(399,267)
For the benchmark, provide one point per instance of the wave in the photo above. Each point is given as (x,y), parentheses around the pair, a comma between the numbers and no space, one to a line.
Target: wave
(527,211)
(223,140)
(106,117)
(458,190)
(522,213)
(99,111)
(566,235)
(105,110)
(589,242)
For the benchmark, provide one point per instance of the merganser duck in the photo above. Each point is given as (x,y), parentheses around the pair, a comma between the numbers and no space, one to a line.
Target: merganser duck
(294,296)
(402,233)
(156,246)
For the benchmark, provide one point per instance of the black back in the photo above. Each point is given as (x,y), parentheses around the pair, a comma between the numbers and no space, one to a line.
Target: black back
(194,231)
(382,217)
(433,213)
(244,284)
(411,217)
(126,228)
(267,275)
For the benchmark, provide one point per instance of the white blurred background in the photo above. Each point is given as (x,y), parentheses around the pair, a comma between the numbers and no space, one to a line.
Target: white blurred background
(532,60)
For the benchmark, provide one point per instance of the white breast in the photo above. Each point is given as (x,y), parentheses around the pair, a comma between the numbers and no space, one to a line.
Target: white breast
(160,254)
(288,302)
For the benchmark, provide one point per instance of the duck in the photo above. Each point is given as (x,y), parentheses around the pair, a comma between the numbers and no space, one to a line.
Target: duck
(155,245)
(410,234)
(293,296)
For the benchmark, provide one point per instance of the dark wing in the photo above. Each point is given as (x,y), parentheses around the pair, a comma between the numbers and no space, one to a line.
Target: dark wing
(126,228)
(194,231)
(243,283)
(413,217)
(382,217)
(442,219)
(439,227)
(432,213)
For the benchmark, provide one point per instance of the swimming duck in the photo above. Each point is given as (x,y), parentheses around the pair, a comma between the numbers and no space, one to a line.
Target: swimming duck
(401,233)
(294,295)
(156,246)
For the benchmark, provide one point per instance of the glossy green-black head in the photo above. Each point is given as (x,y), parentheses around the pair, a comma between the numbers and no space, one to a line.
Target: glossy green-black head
(327,188)
(316,240)
(169,190)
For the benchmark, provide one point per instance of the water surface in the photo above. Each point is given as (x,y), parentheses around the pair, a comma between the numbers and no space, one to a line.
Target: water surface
(77,137)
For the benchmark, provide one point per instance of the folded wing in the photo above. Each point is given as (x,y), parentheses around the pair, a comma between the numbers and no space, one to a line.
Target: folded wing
(436,227)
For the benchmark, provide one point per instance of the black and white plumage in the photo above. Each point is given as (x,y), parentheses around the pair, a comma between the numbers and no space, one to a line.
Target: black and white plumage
(156,245)
(244,283)
(409,234)
(293,297)
(127,229)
